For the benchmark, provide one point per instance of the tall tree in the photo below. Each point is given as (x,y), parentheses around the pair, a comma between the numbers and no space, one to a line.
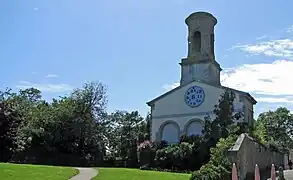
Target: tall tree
(9,123)
(276,127)
(90,108)
(219,135)
(144,132)
(125,132)
(225,116)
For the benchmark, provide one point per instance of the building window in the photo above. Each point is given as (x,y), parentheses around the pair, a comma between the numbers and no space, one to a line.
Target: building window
(194,128)
(170,133)
(197,41)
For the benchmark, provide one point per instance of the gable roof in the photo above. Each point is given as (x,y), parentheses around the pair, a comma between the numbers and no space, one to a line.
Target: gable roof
(245,94)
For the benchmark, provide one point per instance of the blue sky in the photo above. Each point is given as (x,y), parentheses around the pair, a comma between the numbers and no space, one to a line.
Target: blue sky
(134,47)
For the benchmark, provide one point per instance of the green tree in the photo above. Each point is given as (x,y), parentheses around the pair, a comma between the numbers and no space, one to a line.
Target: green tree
(219,166)
(71,130)
(276,128)
(90,112)
(223,125)
(144,132)
(220,135)
(225,114)
(9,123)
(124,134)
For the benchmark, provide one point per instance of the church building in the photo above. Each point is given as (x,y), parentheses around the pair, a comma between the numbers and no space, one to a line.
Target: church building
(181,111)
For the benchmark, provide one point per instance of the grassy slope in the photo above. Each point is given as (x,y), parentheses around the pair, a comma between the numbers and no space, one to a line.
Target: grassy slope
(136,174)
(34,172)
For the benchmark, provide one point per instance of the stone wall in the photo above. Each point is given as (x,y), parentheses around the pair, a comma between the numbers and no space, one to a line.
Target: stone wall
(246,153)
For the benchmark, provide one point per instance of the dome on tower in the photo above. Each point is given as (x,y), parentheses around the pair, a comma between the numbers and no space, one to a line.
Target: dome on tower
(200,15)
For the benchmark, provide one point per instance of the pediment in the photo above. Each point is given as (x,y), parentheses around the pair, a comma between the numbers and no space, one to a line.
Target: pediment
(205,86)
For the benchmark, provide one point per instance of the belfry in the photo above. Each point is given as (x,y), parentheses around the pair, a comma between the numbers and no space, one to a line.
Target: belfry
(200,63)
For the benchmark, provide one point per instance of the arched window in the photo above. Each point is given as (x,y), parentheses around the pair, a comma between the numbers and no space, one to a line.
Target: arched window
(170,133)
(194,128)
(197,41)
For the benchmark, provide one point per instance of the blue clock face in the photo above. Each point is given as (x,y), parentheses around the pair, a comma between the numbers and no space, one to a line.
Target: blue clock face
(194,96)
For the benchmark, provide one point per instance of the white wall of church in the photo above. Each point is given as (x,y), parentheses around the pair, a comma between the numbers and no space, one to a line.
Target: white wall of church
(174,102)
(172,109)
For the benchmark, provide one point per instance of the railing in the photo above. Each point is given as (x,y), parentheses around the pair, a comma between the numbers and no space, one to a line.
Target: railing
(257,174)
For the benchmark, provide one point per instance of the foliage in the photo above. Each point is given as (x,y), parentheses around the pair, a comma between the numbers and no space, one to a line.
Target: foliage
(127,129)
(275,129)
(35,172)
(134,174)
(146,153)
(225,115)
(188,155)
(193,139)
(259,132)
(219,165)
(9,123)
(161,144)
(70,130)
(174,156)
(220,135)
(223,124)
(145,129)
(145,145)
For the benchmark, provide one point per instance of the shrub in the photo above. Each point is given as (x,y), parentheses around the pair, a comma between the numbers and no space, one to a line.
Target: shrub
(175,156)
(189,155)
(219,166)
(146,154)
(210,172)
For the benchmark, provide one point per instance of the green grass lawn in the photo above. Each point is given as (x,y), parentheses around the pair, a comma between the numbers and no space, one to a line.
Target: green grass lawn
(136,174)
(35,172)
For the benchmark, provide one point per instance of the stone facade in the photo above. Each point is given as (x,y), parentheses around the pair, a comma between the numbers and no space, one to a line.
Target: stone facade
(200,63)
(247,152)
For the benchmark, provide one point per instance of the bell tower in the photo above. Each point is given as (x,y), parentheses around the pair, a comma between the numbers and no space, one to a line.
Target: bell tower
(200,63)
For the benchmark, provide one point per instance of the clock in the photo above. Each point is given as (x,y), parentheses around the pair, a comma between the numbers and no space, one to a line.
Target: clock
(194,96)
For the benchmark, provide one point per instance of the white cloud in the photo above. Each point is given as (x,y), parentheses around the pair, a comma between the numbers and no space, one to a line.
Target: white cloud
(278,48)
(36,9)
(53,88)
(266,79)
(274,100)
(52,76)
